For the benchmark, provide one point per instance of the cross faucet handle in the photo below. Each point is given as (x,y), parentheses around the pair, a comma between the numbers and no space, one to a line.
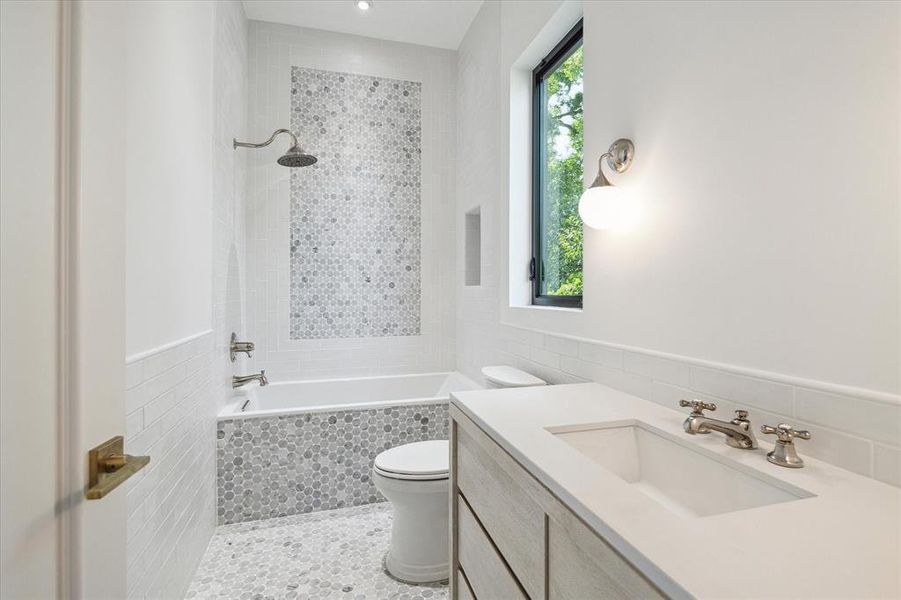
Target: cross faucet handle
(697,405)
(784,454)
(785,432)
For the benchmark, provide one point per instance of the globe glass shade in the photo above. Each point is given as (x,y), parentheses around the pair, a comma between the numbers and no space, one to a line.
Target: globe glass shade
(604,207)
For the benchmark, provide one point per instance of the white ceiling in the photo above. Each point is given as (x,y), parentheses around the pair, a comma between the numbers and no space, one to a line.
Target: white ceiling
(439,23)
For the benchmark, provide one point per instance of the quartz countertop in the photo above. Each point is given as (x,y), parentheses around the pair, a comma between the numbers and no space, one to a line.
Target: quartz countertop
(843,542)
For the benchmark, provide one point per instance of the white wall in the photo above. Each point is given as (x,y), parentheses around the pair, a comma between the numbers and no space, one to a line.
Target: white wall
(28,319)
(230,92)
(769,178)
(176,125)
(765,271)
(168,276)
(274,49)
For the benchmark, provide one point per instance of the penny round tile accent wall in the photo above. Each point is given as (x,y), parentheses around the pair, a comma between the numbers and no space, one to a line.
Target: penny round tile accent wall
(355,215)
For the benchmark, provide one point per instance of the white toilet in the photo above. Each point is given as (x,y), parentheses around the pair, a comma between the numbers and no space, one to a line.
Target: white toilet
(414,478)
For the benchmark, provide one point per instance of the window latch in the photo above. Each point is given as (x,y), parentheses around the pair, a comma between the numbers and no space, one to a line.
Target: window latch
(532,269)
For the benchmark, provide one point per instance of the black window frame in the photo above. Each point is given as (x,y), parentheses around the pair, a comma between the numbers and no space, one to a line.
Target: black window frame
(554,59)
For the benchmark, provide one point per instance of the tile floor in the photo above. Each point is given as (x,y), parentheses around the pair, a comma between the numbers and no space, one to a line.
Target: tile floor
(327,554)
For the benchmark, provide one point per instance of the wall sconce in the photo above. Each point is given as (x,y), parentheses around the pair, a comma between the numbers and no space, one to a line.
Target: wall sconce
(603,205)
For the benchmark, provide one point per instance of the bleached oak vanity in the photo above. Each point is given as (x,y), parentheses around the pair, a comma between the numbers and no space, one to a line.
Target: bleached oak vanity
(537,513)
(514,539)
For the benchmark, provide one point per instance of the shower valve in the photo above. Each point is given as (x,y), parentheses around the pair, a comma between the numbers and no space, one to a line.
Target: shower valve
(235,346)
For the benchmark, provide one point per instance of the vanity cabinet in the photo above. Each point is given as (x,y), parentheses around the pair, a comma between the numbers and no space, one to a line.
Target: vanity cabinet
(512,539)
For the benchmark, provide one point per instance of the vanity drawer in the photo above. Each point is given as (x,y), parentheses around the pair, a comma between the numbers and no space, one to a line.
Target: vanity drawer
(484,569)
(508,502)
(582,565)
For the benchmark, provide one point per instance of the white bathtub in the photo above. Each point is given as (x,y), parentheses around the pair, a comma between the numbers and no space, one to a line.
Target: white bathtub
(297,397)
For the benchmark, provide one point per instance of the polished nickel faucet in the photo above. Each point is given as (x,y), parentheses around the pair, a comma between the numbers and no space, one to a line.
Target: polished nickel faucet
(239,380)
(738,431)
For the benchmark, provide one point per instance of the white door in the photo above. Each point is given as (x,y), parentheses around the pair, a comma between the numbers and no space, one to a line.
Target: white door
(63,299)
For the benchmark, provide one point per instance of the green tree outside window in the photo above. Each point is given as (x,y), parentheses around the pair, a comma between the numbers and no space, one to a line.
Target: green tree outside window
(561,227)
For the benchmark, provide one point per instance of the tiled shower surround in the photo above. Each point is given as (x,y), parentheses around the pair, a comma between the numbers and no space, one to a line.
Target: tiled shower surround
(355,215)
(277,466)
(275,50)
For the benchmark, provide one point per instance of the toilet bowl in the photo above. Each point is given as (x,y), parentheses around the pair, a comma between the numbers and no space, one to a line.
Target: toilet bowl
(414,478)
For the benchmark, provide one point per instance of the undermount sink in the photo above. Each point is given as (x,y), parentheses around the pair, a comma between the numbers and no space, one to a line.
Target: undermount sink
(683,477)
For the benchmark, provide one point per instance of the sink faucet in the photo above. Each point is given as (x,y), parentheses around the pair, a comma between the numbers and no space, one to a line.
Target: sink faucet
(239,380)
(738,431)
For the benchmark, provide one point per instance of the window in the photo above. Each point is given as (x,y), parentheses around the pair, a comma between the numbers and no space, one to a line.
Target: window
(556,269)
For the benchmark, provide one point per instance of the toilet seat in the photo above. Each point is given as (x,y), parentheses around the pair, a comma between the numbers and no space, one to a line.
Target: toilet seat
(415,462)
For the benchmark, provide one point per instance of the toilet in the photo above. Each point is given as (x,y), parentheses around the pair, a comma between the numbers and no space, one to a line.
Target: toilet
(414,478)
(503,376)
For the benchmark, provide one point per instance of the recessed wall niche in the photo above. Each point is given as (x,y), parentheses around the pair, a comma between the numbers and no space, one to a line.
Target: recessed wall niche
(472,241)
(355,259)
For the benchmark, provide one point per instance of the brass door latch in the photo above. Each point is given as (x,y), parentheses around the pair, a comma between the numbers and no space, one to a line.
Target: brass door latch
(109,467)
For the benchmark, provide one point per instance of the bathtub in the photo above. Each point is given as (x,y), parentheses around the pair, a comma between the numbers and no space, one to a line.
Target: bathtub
(296,397)
(303,446)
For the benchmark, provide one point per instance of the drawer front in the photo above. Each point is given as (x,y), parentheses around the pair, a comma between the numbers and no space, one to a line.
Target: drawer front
(464,592)
(582,565)
(508,502)
(483,568)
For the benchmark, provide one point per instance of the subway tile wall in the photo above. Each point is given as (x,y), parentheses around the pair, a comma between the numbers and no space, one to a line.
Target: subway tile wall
(855,429)
(274,50)
(170,416)
(230,72)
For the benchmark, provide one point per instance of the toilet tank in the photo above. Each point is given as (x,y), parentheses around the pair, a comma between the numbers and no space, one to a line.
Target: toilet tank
(503,376)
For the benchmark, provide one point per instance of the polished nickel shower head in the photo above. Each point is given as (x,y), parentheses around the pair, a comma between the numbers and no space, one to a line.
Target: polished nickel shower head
(294,157)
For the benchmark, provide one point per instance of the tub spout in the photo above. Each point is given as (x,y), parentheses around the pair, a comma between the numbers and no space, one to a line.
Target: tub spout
(239,380)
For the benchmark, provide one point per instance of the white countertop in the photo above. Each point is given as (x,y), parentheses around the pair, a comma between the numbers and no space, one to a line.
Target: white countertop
(845,542)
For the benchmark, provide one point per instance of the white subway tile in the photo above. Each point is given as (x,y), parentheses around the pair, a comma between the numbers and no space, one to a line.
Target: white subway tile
(543,357)
(659,369)
(842,450)
(580,368)
(134,374)
(519,349)
(880,422)
(604,355)
(768,395)
(135,398)
(887,464)
(562,346)
(134,422)
(156,408)
(164,382)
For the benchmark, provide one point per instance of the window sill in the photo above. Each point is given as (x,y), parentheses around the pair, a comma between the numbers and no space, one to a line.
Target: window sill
(549,308)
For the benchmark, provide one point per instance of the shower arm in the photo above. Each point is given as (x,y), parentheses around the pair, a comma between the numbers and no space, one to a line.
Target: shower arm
(275,133)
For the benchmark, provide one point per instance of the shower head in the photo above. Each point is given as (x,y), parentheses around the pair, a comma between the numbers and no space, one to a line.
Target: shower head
(295,157)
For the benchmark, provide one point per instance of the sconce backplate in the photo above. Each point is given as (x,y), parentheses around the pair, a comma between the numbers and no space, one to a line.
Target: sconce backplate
(620,155)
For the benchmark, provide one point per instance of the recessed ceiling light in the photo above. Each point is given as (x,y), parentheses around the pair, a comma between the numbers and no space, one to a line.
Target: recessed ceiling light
(364,4)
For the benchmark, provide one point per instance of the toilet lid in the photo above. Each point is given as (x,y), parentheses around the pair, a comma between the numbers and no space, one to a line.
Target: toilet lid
(416,459)
(506,376)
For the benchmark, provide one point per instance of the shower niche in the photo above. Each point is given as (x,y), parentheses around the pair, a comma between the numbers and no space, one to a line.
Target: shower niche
(472,240)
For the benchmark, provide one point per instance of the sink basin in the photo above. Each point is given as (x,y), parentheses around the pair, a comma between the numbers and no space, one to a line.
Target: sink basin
(683,477)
